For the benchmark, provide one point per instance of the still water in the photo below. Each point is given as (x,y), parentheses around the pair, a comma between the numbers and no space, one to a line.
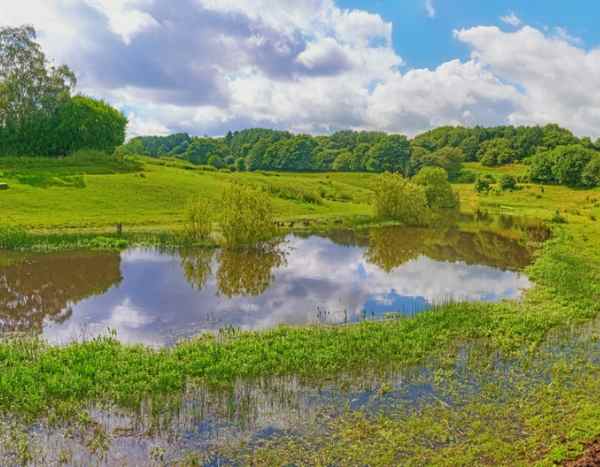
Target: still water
(158,297)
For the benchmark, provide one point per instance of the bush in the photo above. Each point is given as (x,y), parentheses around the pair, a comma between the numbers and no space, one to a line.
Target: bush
(482,185)
(466,176)
(246,217)
(197,222)
(508,182)
(437,188)
(398,199)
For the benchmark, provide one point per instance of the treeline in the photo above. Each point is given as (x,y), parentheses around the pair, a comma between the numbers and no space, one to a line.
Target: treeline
(38,114)
(360,151)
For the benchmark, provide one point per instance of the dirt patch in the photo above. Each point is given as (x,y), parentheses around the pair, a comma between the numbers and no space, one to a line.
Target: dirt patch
(590,458)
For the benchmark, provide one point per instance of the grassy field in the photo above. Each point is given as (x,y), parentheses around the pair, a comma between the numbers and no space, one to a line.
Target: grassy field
(555,418)
(150,194)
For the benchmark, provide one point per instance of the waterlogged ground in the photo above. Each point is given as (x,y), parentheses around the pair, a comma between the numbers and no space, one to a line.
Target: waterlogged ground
(460,403)
(158,297)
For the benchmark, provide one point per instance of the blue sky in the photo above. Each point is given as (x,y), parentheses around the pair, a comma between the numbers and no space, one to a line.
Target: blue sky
(425,41)
(317,66)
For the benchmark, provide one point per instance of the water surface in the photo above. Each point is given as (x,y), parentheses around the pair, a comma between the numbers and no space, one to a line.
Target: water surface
(157,297)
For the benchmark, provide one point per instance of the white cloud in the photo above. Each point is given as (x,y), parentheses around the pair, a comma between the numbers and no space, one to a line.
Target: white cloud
(207,66)
(511,19)
(562,33)
(558,81)
(430,8)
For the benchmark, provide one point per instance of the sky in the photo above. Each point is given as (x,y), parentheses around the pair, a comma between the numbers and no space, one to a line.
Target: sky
(316,66)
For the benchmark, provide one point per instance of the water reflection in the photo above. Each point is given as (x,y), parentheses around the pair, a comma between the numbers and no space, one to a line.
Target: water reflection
(155,298)
(45,288)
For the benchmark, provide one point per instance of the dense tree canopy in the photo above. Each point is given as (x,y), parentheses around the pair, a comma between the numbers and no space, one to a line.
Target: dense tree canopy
(359,151)
(38,116)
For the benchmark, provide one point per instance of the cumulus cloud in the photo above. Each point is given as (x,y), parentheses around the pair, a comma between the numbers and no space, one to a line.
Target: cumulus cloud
(557,80)
(209,66)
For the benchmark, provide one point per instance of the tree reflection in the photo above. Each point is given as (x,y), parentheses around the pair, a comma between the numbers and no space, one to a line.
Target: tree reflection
(390,247)
(44,287)
(197,266)
(248,271)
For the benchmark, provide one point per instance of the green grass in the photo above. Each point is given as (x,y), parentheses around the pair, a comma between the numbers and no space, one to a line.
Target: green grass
(37,380)
(155,197)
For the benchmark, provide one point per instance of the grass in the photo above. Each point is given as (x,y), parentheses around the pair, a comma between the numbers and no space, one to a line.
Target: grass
(37,380)
(154,197)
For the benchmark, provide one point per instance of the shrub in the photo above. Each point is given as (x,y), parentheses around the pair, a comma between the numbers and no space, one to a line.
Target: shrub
(246,216)
(398,199)
(508,182)
(482,185)
(437,188)
(197,223)
(466,176)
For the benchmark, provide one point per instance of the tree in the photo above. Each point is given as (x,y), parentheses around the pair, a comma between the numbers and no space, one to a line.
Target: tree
(343,162)
(590,176)
(448,158)
(392,154)
(31,92)
(88,123)
(570,161)
(246,217)
(438,190)
(398,199)
(541,167)
(497,151)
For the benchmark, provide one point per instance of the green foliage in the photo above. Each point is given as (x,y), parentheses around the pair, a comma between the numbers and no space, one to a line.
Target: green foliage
(565,165)
(155,146)
(86,123)
(38,116)
(482,185)
(448,158)
(246,217)
(497,151)
(396,198)
(391,154)
(590,177)
(437,188)
(508,182)
(466,176)
(198,220)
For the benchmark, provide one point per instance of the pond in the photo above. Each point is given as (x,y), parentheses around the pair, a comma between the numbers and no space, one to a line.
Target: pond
(158,297)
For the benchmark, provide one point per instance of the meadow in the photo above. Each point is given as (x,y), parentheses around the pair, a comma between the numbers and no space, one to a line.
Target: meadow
(38,381)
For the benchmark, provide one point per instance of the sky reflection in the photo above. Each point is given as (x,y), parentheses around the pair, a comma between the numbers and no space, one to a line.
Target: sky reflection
(313,280)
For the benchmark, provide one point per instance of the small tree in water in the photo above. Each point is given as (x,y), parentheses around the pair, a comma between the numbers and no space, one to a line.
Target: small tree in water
(246,217)
(398,199)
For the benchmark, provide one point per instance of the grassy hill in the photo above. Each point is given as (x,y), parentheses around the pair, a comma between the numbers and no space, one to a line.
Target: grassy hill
(150,193)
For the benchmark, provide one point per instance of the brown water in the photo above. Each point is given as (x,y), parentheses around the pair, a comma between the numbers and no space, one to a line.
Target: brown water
(157,297)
